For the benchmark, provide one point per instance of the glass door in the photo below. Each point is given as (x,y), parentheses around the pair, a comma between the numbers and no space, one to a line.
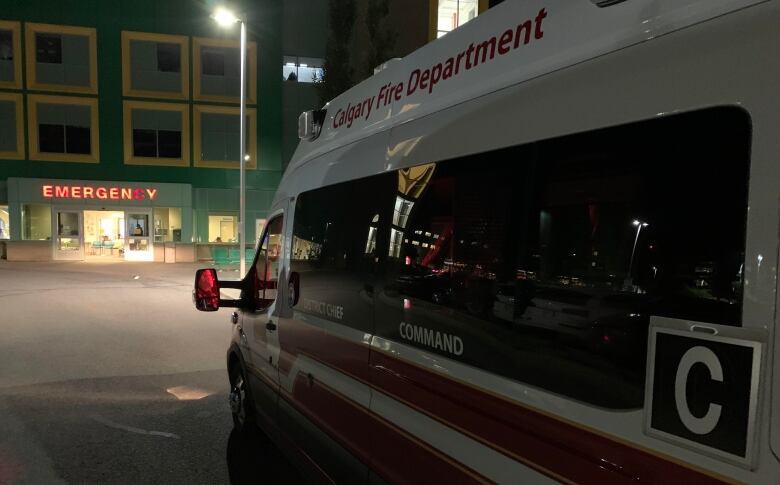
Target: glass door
(138,241)
(68,239)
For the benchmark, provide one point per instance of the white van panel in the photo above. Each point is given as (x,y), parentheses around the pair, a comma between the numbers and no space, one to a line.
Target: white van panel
(565,32)
(349,162)
(723,61)
(729,60)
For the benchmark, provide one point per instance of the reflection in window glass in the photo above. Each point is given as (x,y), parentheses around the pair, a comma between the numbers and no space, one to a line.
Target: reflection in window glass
(335,251)
(550,258)
(223,228)
(267,264)
(401,213)
(36,222)
(5,223)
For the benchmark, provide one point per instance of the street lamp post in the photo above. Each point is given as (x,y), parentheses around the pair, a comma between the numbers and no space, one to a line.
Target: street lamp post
(226,18)
(639,225)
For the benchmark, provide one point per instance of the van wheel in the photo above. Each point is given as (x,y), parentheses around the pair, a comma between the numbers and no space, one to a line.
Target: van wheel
(241,404)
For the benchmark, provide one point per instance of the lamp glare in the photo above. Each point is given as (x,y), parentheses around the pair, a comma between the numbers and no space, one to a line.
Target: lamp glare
(224,17)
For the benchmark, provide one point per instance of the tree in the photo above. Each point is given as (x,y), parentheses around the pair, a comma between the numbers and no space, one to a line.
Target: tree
(338,73)
(381,37)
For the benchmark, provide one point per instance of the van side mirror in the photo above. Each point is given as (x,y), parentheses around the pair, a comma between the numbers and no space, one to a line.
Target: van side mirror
(206,292)
(294,287)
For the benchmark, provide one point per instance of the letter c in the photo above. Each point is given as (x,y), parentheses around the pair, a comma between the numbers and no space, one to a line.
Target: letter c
(401,329)
(693,356)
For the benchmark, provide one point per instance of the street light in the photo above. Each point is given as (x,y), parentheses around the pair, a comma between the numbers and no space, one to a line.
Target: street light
(639,225)
(227,18)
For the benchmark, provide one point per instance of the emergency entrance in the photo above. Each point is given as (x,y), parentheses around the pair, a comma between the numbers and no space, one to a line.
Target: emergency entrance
(103,235)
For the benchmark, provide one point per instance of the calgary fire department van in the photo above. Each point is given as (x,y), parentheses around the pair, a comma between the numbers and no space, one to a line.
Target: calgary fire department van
(542,248)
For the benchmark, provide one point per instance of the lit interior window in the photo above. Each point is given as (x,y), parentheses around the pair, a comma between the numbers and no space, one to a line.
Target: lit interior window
(454,13)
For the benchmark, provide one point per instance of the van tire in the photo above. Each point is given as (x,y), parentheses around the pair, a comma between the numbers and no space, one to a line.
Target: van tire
(242,406)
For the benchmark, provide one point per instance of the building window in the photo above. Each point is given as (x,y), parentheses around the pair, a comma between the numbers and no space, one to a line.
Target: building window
(217,70)
(451,14)
(11,126)
(63,128)
(36,222)
(156,134)
(155,65)
(5,223)
(302,69)
(167,224)
(10,55)
(217,137)
(223,228)
(61,58)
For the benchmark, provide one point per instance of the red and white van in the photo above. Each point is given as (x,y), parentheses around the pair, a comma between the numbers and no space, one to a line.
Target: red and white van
(542,248)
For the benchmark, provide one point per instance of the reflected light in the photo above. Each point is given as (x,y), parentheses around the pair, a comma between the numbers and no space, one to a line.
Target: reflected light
(187,393)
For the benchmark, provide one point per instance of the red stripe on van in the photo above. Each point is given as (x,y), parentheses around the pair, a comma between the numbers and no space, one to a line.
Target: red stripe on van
(296,337)
(546,444)
(549,445)
(396,455)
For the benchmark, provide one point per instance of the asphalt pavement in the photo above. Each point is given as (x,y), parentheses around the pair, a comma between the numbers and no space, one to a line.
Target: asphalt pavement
(108,375)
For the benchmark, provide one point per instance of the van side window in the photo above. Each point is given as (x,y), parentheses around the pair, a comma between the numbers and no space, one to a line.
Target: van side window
(544,262)
(267,265)
(335,249)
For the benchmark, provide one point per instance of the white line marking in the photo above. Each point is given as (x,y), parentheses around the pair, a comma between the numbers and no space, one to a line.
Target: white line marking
(132,429)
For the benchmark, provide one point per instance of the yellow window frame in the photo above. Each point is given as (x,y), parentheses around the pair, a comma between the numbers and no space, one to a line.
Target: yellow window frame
(32,83)
(181,40)
(127,118)
(251,66)
(32,128)
(197,143)
(16,33)
(19,153)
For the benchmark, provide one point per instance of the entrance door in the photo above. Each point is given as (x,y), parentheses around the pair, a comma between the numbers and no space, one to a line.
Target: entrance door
(138,239)
(69,238)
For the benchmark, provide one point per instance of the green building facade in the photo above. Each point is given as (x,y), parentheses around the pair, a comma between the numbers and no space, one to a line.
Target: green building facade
(119,127)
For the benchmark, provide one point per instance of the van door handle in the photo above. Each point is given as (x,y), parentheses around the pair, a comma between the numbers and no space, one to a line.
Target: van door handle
(271,326)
